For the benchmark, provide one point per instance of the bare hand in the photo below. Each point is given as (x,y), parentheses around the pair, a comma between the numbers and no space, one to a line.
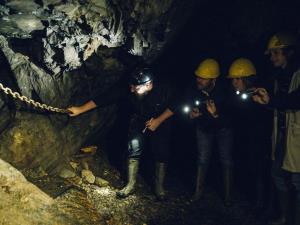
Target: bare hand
(153,124)
(195,113)
(211,107)
(74,111)
(261,96)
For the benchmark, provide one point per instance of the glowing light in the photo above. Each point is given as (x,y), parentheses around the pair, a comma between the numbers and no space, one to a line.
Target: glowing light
(244,96)
(147,78)
(238,92)
(135,141)
(141,89)
(197,102)
(186,109)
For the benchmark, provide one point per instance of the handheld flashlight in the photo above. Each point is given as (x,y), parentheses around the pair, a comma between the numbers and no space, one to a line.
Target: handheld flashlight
(197,103)
(186,109)
(245,94)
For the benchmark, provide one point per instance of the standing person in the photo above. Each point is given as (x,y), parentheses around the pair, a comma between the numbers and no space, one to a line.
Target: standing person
(286,126)
(250,127)
(151,105)
(211,125)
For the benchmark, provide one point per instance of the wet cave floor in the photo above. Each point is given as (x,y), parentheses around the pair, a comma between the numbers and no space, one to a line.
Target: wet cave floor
(89,204)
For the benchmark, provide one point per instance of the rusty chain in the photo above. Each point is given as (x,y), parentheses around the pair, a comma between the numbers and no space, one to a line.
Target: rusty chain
(36,104)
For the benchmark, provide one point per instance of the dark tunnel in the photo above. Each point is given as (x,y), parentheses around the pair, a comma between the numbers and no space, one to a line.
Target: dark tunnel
(150,112)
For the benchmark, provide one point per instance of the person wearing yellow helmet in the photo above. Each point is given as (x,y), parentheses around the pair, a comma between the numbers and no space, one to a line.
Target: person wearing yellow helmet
(206,74)
(211,123)
(242,73)
(285,101)
(249,122)
(281,48)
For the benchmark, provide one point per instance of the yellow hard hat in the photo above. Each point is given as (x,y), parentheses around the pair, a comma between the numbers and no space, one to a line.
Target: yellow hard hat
(281,40)
(208,69)
(241,67)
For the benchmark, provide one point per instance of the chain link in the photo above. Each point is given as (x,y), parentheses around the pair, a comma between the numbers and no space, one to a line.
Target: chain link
(23,98)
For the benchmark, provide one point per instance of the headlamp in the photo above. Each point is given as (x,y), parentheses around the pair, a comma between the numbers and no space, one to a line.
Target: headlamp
(141,76)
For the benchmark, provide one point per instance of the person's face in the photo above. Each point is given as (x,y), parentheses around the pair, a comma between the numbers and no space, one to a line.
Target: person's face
(277,57)
(238,84)
(141,90)
(204,84)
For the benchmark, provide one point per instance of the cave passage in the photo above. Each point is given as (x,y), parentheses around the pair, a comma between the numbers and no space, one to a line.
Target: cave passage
(149,112)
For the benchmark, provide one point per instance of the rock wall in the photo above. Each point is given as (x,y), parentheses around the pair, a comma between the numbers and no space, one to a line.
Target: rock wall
(61,53)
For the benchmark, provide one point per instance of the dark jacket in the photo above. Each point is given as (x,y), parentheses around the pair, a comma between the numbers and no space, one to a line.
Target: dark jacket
(251,125)
(206,122)
(151,105)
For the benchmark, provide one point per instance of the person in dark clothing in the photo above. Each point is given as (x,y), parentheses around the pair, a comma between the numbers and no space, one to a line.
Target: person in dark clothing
(150,104)
(212,125)
(250,126)
(286,129)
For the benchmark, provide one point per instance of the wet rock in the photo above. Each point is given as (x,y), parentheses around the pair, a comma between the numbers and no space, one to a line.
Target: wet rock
(19,196)
(30,77)
(81,49)
(4,11)
(51,2)
(24,203)
(71,9)
(21,143)
(20,25)
(24,6)
(36,83)
(88,176)
(10,27)
(101,182)
(6,117)
(74,165)
(67,173)
(76,181)
(85,164)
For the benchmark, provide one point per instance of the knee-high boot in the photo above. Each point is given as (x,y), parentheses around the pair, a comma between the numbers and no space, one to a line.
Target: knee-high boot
(283,198)
(133,165)
(199,186)
(228,179)
(160,173)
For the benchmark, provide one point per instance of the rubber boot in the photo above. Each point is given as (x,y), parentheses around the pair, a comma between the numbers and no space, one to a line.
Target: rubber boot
(297,213)
(160,173)
(133,165)
(200,180)
(259,196)
(227,176)
(283,198)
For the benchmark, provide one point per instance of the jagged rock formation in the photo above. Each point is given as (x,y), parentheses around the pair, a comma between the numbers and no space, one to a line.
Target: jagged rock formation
(63,52)
(24,203)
